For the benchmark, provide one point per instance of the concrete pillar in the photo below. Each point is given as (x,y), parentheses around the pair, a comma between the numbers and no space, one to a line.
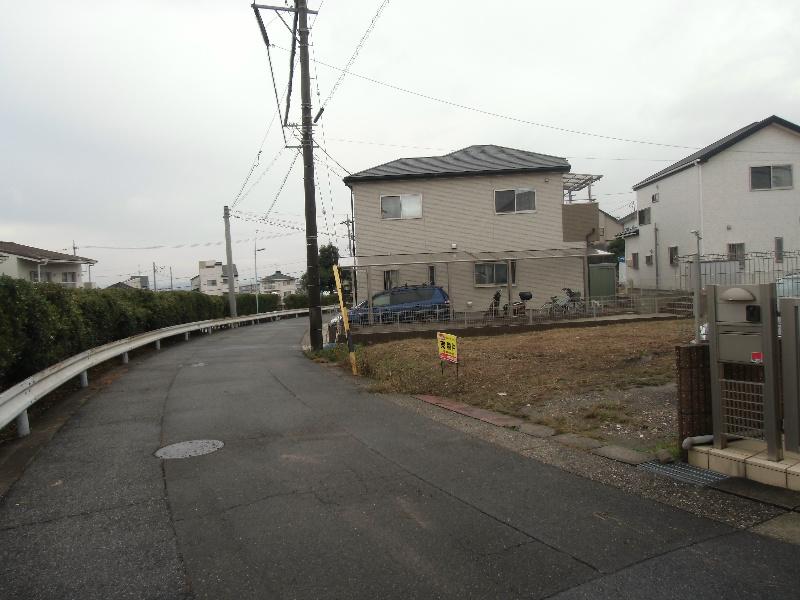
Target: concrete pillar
(23,427)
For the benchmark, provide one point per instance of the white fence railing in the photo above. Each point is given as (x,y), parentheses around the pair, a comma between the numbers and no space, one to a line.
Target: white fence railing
(15,401)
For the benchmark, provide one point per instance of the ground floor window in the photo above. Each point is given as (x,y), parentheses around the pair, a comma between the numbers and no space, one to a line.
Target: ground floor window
(391,279)
(34,276)
(736,252)
(673,255)
(634,260)
(495,273)
(68,277)
(432,274)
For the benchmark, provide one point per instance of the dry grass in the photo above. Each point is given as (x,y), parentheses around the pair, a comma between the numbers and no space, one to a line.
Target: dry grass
(510,372)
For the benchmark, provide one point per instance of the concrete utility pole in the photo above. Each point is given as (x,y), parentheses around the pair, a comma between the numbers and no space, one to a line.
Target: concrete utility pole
(171,288)
(256,250)
(155,286)
(226,215)
(312,252)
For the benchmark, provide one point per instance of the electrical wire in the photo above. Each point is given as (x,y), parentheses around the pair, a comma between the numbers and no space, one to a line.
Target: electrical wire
(353,57)
(261,175)
(265,37)
(283,184)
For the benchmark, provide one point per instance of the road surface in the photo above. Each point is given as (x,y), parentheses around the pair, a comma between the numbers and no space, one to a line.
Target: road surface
(324,490)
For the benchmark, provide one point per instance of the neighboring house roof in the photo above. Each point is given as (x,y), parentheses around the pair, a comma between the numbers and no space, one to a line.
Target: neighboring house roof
(278,276)
(704,154)
(225,271)
(612,217)
(473,160)
(121,285)
(40,254)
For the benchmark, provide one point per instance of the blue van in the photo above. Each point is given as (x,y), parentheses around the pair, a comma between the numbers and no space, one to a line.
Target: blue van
(407,303)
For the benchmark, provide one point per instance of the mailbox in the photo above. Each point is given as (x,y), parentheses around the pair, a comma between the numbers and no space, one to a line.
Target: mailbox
(743,338)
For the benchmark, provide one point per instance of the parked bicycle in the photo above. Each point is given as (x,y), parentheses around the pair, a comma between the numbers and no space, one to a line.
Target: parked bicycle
(569,305)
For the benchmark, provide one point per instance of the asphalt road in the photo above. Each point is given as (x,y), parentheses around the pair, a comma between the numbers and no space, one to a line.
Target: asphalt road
(324,490)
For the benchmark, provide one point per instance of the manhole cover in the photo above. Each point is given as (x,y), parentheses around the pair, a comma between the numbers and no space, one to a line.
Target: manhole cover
(189,448)
(683,472)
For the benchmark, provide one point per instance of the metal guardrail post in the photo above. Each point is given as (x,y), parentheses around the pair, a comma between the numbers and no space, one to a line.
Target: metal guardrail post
(716,393)
(23,426)
(158,344)
(84,379)
(125,358)
(186,336)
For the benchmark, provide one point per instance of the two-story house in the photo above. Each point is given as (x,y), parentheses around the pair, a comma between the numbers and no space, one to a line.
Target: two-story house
(469,221)
(738,194)
(39,265)
(280,284)
(212,278)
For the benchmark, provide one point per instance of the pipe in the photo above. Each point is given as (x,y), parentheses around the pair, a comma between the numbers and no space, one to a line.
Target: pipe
(704,439)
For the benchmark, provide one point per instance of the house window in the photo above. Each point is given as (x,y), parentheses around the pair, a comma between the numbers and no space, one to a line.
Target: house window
(773,177)
(432,274)
(495,273)
(779,249)
(211,282)
(68,277)
(514,201)
(35,276)
(602,232)
(644,216)
(401,206)
(654,198)
(391,279)
(736,252)
(648,260)
(634,260)
(673,255)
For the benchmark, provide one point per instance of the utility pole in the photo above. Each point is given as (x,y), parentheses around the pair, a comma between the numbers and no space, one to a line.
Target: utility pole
(698,288)
(226,215)
(74,249)
(312,252)
(155,286)
(256,250)
(171,288)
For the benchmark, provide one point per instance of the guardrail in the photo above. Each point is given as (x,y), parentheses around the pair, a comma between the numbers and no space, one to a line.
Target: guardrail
(15,401)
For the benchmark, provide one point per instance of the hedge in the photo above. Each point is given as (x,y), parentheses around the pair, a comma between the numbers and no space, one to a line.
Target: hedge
(44,323)
(301,300)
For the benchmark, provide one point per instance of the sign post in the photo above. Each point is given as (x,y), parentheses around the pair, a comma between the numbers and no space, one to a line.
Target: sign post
(447,344)
(345,320)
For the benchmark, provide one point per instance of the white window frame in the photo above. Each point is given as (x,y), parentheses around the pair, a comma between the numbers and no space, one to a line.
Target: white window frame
(516,191)
(673,258)
(779,249)
(771,187)
(388,279)
(400,218)
(494,280)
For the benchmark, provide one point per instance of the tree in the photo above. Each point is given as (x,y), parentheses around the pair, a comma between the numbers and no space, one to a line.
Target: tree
(328,256)
(617,247)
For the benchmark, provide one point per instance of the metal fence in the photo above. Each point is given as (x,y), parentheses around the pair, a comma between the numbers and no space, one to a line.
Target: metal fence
(738,269)
(556,309)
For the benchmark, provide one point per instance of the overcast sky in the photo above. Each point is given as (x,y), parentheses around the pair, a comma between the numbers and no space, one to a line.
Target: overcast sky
(131,124)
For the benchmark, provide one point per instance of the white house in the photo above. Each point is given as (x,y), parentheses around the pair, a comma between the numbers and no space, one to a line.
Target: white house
(279,283)
(471,220)
(36,264)
(737,193)
(212,278)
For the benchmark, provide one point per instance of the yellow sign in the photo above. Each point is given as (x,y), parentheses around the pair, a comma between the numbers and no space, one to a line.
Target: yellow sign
(447,344)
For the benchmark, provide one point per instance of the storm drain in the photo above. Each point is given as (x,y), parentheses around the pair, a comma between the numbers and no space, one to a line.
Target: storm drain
(683,472)
(189,448)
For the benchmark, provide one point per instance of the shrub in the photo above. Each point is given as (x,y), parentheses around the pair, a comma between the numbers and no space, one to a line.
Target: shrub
(42,324)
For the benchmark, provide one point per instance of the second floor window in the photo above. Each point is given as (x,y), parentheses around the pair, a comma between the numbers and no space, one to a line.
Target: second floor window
(772,177)
(644,216)
(514,201)
(634,260)
(401,206)
(673,255)
(736,252)
(212,282)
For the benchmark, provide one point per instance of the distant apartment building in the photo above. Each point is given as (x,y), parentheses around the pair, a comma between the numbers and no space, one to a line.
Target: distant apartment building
(39,265)
(212,278)
(279,283)
(136,282)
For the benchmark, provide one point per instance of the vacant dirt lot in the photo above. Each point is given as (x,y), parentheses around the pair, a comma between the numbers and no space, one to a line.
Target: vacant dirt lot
(614,382)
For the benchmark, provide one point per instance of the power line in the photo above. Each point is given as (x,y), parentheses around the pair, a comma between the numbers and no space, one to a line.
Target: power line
(353,57)
(261,175)
(283,184)
(492,113)
(269,58)
(185,245)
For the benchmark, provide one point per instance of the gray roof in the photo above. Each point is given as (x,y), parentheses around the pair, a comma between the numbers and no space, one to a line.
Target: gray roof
(278,276)
(40,254)
(705,153)
(474,160)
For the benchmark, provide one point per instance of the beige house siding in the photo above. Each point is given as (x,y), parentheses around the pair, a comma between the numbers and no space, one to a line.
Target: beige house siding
(459,210)
(609,227)
(544,277)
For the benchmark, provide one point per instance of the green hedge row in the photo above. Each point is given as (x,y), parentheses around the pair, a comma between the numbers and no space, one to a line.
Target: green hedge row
(42,324)
(301,300)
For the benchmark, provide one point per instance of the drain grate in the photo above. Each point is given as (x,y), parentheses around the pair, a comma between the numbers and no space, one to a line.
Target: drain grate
(683,472)
(189,448)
